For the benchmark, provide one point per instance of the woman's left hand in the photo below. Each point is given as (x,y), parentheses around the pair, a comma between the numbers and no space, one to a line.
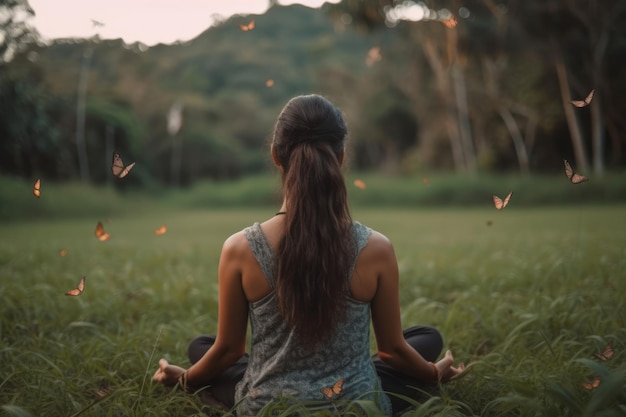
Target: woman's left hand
(447,370)
(167,374)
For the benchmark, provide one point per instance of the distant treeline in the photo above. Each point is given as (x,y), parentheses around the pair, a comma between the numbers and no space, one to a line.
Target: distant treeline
(484,88)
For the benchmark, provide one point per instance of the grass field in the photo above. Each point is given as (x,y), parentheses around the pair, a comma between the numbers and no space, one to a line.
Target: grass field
(528,297)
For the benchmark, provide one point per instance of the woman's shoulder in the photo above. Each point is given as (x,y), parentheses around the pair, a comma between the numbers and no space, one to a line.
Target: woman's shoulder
(251,239)
(374,237)
(236,242)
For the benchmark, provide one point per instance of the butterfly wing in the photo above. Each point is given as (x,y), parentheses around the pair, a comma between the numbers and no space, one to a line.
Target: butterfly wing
(117,166)
(126,170)
(507,199)
(450,22)
(585,102)
(37,188)
(161,230)
(78,290)
(572,176)
(500,203)
(247,27)
(607,353)
(569,172)
(577,178)
(591,385)
(338,386)
(99,230)
(330,392)
(497,202)
(100,233)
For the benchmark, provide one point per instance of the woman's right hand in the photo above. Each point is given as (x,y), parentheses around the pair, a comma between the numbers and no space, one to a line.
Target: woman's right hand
(446,367)
(167,374)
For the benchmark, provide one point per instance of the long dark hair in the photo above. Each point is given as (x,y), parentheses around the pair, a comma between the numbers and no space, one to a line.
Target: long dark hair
(317,249)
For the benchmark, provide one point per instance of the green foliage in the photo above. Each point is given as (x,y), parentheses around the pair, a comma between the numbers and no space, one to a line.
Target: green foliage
(30,139)
(400,107)
(14,28)
(65,200)
(76,200)
(219,77)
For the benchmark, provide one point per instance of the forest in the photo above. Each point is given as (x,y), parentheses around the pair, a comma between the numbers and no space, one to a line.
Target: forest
(472,87)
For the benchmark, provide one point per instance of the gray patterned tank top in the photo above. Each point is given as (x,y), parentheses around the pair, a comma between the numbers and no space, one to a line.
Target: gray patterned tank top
(279,367)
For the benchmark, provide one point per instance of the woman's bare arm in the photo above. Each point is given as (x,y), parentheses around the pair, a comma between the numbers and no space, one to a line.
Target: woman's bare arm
(392,347)
(232,323)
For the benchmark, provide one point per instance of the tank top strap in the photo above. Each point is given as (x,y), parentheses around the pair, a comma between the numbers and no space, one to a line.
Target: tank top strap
(361,235)
(262,250)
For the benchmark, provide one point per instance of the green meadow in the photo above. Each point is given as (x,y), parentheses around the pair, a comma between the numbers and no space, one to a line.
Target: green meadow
(528,298)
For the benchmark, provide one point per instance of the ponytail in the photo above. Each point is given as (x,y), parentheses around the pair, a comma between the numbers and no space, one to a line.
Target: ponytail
(317,249)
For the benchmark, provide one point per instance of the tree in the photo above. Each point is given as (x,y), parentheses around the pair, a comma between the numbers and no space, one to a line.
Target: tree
(29,140)
(580,35)
(440,49)
(14,29)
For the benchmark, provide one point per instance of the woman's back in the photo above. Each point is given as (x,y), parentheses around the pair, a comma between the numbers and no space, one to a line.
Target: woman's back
(308,280)
(281,365)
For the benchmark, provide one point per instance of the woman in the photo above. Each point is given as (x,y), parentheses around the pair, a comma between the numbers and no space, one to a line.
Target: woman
(308,279)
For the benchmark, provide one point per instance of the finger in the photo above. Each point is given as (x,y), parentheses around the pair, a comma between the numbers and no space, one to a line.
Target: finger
(158,376)
(446,361)
(163,364)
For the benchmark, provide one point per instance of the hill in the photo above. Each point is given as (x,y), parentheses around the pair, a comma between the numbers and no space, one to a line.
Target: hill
(231,83)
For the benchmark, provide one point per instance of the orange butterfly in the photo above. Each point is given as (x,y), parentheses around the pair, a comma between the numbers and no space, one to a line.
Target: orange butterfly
(36,188)
(450,22)
(359,184)
(373,56)
(572,176)
(499,203)
(269,83)
(247,27)
(100,233)
(330,392)
(78,290)
(585,102)
(607,353)
(63,252)
(103,392)
(591,385)
(118,168)
(161,230)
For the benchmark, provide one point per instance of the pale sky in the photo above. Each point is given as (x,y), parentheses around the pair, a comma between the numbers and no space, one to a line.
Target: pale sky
(146,21)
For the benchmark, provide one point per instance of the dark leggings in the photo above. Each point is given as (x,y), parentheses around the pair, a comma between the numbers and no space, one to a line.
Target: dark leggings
(424,339)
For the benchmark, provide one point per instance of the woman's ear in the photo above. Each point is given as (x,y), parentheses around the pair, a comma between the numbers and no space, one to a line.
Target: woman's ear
(275,158)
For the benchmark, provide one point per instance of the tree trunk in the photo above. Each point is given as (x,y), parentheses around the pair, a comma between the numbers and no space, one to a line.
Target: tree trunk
(465,129)
(572,122)
(81,147)
(443,89)
(491,73)
(597,119)
(517,138)
(597,136)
